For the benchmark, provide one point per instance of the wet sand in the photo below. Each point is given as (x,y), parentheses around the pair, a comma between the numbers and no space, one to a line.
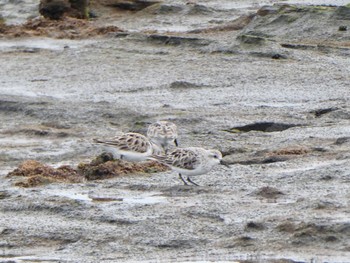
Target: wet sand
(285,196)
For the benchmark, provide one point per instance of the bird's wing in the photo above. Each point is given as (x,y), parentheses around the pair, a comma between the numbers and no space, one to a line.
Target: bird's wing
(180,158)
(128,142)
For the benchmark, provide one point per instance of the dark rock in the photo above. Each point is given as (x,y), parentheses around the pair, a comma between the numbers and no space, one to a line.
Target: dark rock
(263,126)
(342,28)
(272,55)
(278,56)
(318,113)
(130,5)
(183,85)
(254,226)
(274,159)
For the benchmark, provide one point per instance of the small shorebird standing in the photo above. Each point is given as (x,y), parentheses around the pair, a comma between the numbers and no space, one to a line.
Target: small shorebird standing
(131,147)
(137,147)
(163,133)
(190,161)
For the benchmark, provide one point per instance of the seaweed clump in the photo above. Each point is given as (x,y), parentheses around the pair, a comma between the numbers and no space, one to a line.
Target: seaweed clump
(102,167)
(36,174)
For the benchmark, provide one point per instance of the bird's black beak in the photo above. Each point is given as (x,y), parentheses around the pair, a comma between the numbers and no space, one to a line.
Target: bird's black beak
(176,144)
(222,162)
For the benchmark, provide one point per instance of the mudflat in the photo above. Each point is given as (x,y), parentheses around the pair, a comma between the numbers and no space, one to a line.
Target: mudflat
(266,85)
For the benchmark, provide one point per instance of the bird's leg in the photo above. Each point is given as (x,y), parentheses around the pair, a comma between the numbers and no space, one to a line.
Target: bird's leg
(182,179)
(121,157)
(189,179)
(176,143)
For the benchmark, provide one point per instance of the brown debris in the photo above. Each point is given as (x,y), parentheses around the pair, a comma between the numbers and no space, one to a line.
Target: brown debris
(291,151)
(269,192)
(36,174)
(68,27)
(102,167)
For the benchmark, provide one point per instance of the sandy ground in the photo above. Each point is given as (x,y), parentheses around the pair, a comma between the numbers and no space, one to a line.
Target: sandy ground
(285,196)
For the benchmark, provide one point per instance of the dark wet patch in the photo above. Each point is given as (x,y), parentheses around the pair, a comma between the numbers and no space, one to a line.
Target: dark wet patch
(308,233)
(273,159)
(342,13)
(263,126)
(269,192)
(323,205)
(231,151)
(117,221)
(340,114)
(39,132)
(291,151)
(136,5)
(167,9)
(254,226)
(106,199)
(300,46)
(272,55)
(238,156)
(319,112)
(243,241)
(14,106)
(56,125)
(177,40)
(342,140)
(326,177)
(252,39)
(251,160)
(184,85)
(197,9)
(4,194)
(181,243)
(286,226)
(7,231)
